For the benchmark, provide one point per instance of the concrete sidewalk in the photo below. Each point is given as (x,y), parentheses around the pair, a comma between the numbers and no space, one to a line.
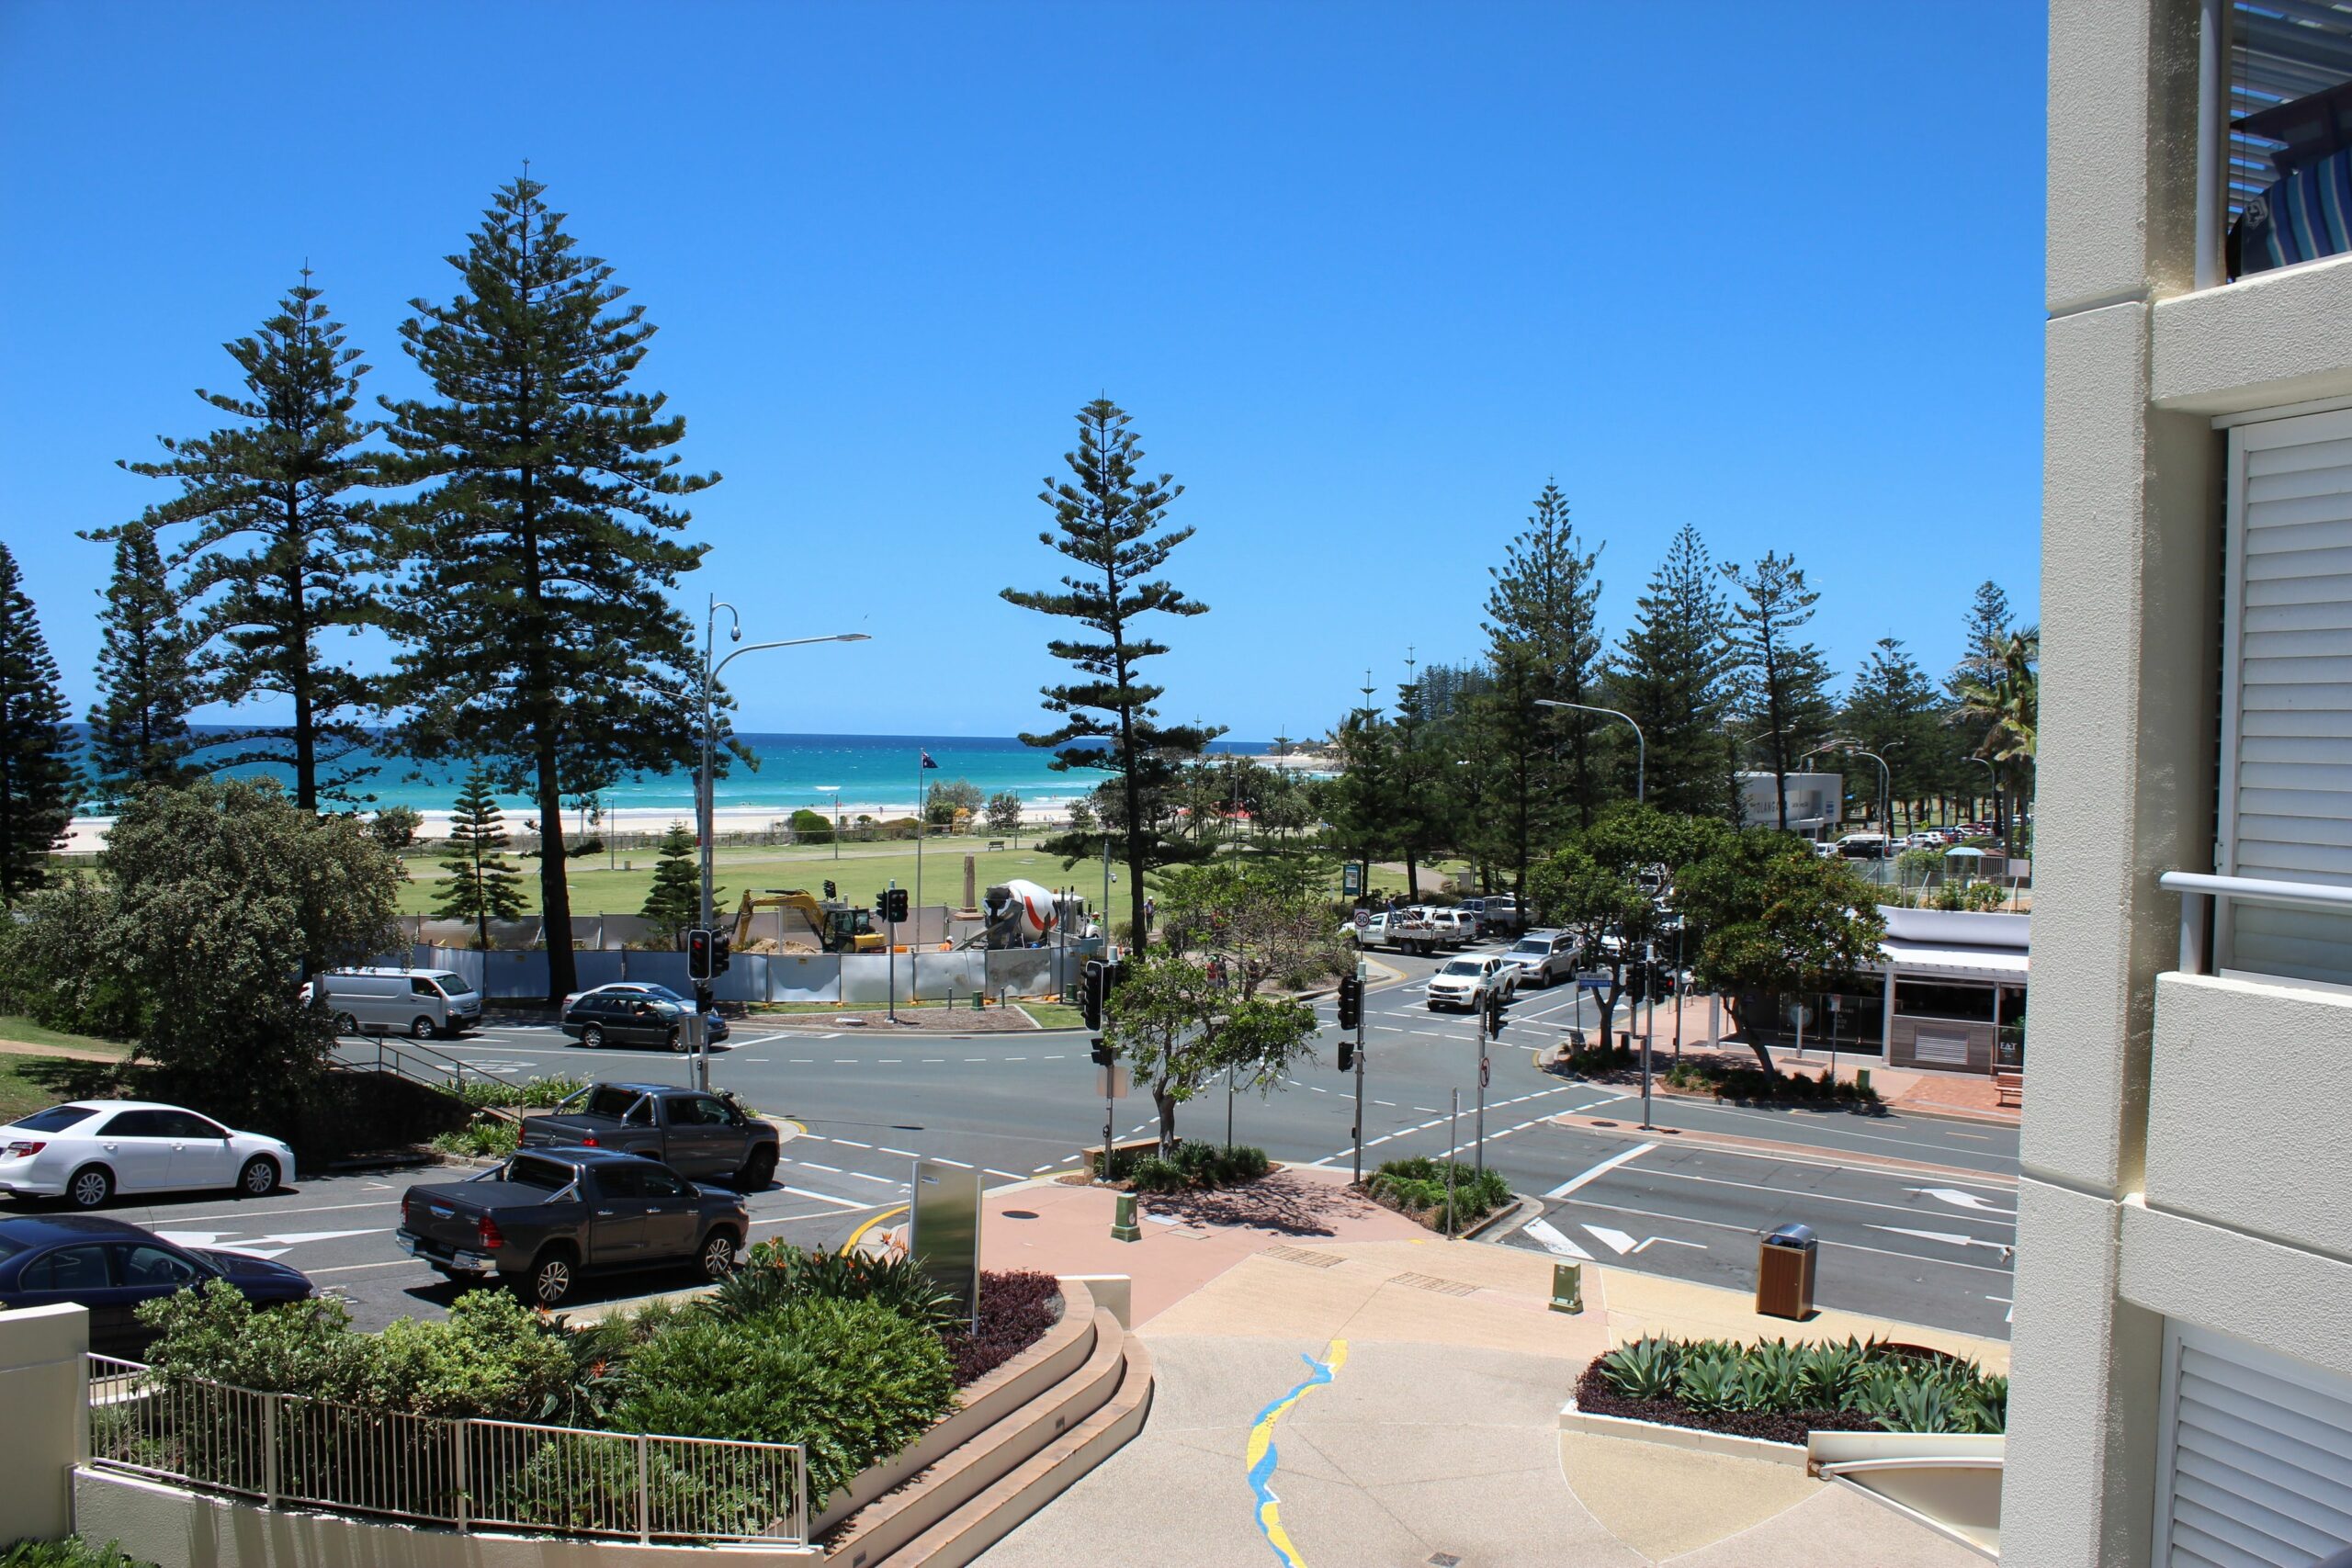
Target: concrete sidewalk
(1338,1386)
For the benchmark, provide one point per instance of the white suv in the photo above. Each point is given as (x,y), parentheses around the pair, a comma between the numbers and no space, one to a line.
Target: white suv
(1543,958)
(1468,981)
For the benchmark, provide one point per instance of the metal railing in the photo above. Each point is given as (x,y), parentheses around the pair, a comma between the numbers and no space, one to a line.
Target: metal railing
(375,1051)
(2201,891)
(287,1449)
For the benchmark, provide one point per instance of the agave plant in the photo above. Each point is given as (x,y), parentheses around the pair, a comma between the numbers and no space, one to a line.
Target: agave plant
(1711,1384)
(1986,1407)
(1771,1377)
(1919,1407)
(774,1274)
(1644,1369)
(1829,1372)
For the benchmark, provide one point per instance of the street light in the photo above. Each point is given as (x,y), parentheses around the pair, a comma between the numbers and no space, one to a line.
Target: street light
(1641,746)
(1886,791)
(835,791)
(1995,774)
(710,674)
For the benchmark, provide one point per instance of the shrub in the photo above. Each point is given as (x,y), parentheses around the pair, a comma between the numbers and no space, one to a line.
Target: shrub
(853,1380)
(1781,1391)
(777,1275)
(492,1358)
(536,1094)
(71,1552)
(1753,1084)
(1418,1187)
(306,1347)
(1195,1165)
(1016,1308)
(484,1137)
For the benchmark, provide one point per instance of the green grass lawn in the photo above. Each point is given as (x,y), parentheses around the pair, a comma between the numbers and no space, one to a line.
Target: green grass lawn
(25,1031)
(29,1083)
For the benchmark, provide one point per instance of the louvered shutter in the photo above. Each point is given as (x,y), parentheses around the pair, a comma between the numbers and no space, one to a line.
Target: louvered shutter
(2258,1466)
(2286,690)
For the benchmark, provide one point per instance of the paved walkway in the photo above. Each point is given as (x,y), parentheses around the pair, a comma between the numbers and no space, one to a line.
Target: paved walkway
(1339,1388)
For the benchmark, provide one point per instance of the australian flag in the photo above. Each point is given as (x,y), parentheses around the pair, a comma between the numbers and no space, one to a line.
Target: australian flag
(926,760)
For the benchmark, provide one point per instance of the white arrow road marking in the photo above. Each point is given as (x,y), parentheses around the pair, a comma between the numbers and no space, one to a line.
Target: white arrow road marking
(1551,1240)
(2010,1315)
(260,1245)
(1616,1241)
(1948,1237)
(1959,1200)
(1695,1246)
(1603,1168)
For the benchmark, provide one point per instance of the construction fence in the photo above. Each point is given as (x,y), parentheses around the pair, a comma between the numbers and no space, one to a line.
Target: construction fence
(853,979)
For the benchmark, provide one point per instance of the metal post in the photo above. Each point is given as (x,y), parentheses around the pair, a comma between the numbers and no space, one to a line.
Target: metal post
(644,1502)
(894,959)
(1479,1125)
(457,1430)
(1359,1126)
(2213,134)
(915,955)
(1453,1142)
(1107,944)
(269,1403)
(703,812)
(1228,1108)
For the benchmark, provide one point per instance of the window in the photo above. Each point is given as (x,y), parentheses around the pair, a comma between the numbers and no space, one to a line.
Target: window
(698,1111)
(419,985)
(659,1183)
(611,1101)
(185,1124)
(152,1266)
(56,1119)
(525,1170)
(67,1269)
(134,1124)
(622,1180)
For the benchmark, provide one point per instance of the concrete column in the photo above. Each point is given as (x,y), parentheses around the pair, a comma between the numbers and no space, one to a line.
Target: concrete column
(44,1418)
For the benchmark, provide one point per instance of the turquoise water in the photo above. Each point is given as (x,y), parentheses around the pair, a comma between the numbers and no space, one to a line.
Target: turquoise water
(866,768)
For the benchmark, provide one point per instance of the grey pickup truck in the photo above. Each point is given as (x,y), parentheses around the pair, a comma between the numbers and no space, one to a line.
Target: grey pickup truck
(546,1216)
(701,1137)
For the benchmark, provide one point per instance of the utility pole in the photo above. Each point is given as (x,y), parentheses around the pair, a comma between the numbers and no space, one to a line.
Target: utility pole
(889,909)
(1359,1126)
(1453,1142)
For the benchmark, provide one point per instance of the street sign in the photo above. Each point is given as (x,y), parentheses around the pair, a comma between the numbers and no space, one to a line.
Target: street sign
(1111,1082)
(1593,979)
(1485,1071)
(943,1232)
(1351,879)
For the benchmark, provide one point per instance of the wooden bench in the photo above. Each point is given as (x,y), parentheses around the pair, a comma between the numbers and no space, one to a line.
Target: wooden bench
(2008,1088)
(996,843)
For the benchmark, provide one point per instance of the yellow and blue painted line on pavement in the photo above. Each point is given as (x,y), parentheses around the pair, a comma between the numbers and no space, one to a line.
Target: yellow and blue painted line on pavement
(1262,1455)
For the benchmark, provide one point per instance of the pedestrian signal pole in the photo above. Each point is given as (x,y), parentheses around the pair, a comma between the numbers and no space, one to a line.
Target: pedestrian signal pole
(1350,1004)
(889,908)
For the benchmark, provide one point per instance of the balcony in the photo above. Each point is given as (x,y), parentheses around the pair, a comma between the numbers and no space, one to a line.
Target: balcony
(2250,1074)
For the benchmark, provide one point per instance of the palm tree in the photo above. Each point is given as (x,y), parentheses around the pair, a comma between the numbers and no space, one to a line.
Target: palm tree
(2009,704)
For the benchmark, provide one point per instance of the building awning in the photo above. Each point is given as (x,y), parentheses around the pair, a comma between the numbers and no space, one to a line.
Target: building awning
(1944,959)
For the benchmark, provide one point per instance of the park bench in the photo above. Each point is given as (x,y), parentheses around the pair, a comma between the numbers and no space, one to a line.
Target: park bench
(2008,1088)
(996,843)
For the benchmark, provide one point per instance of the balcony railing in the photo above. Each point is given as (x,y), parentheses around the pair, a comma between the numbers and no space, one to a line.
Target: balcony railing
(2199,891)
(283,1450)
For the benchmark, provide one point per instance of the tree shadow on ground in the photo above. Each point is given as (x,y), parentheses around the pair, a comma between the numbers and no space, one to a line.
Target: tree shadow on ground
(1280,1202)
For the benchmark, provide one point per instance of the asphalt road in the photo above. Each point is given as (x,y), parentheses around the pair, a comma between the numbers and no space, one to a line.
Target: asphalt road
(1921,1247)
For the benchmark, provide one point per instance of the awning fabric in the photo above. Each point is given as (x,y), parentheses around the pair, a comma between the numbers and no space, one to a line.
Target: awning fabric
(2005,964)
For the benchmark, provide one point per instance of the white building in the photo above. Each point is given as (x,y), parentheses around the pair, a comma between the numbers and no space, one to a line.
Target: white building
(2183,1389)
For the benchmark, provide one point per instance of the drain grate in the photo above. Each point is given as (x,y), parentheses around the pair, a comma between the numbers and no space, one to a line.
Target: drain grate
(1432,1283)
(1300,1255)
(1444,1559)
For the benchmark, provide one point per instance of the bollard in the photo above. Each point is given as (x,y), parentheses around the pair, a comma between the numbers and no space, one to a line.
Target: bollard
(1567,1287)
(1123,1224)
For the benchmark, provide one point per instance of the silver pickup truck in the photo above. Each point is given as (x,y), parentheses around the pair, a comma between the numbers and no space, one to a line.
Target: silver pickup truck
(548,1215)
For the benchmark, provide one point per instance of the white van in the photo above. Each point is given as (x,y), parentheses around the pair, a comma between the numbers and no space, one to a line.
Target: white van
(415,1002)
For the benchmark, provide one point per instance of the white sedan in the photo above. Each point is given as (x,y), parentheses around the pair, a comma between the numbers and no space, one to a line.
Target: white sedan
(1468,981)
(88,1151)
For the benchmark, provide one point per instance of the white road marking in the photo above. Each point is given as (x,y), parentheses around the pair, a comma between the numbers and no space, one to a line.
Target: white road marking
(1959,1200)
(1617,1241)
(1603,1168)
(1551,1240)
(812,1165)
(883,1179)
(1747,1230)
(1949,1238)
(853,1143)
(1992,1216)
(960,1165)
(1694,1246)
(1012,1174)
(827,1197)
(902,1154)
(356,1268)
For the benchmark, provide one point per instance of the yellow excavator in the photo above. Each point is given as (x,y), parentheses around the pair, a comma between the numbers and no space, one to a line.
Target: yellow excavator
(838,926)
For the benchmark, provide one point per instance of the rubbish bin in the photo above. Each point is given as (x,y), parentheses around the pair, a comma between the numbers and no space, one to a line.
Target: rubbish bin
(1784,1264)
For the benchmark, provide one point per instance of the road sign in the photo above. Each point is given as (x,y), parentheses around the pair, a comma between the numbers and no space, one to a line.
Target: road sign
(1111,1082)
(943,1232)
(1485,1071)
(1351,879)
(1593,979)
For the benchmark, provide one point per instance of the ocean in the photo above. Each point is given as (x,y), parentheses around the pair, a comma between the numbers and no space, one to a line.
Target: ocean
(863,769)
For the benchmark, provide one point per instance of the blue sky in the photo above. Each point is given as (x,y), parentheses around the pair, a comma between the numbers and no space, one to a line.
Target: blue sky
(1366,275)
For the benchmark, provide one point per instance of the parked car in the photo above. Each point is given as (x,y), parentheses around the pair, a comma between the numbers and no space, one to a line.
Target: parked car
(1543,958)
(419,1003)
(1467,982)
(543,1218)
(1455,928)
(1407,931)
(700,1135)
(110,1267)
(88,1150)
(714,1026)
(1497,914)
(623,1017)
(1864,846)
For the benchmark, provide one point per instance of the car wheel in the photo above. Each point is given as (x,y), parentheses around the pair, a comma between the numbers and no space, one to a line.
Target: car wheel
(591,1037)
(259,1179)
(718,1254)
(677,1042)
(346,1024)
(550,1280)
(420,1029)
(757,1171)
(89,1187)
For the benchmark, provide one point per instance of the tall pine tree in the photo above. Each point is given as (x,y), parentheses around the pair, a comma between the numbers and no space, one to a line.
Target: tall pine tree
(481,885)
(1359,802)
(1671,678)
(1783,688)
(146,682)
(534,620)
(1110,522)
(280,554)
(1545,606)
(37,777)
(1891,710)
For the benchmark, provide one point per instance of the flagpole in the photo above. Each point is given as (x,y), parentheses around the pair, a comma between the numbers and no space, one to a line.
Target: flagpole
(923,830)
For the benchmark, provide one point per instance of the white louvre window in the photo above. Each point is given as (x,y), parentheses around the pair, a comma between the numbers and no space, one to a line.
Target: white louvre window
(2257,1458)
(2287,690)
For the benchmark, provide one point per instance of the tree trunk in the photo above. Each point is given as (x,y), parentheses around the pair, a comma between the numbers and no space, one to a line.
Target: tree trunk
(555,896)
(1737,1003)
(1164,1103)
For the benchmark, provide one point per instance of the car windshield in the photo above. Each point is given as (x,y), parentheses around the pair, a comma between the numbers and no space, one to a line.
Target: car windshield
(611,1101)
(526,1170)
(56,1119)
(1531,945)
(1462,967)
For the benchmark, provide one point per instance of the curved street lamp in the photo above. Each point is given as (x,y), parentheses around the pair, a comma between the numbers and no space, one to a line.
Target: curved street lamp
(1641,746)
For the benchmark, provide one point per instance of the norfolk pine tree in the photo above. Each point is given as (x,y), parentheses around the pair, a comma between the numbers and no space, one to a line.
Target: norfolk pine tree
(1783,682)
(279,556)
(1891,710)
(1672,676)
(533,616)
(674,900)
(1546,604)
(36,777)
(146,684)
(1109,524)
(481,885)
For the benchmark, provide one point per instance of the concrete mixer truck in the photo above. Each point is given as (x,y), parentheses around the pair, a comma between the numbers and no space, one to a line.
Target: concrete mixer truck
(1019,913)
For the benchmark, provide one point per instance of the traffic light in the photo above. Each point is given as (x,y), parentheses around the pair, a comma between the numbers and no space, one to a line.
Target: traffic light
(1351,1005)
(882,905)
(1102,1052)
(698,954)
(1092,992)
(832,892)
(1347,1054)
(721,946)
(1498,1007)
(898,912)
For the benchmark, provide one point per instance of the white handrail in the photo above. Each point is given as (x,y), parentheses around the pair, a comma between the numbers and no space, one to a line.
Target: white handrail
(2200,890)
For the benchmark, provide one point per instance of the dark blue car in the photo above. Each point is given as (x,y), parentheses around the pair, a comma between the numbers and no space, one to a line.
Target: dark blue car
(111,1266)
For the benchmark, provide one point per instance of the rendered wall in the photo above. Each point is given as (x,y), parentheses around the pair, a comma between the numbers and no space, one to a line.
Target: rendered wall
(44,1425)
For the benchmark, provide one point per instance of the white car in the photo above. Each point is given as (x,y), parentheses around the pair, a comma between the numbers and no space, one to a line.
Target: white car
(1467,982)
(88,1150)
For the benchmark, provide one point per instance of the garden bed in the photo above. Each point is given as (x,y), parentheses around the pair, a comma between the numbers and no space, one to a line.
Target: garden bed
(1778,1392)
(1416,1188)
(1197,1166)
